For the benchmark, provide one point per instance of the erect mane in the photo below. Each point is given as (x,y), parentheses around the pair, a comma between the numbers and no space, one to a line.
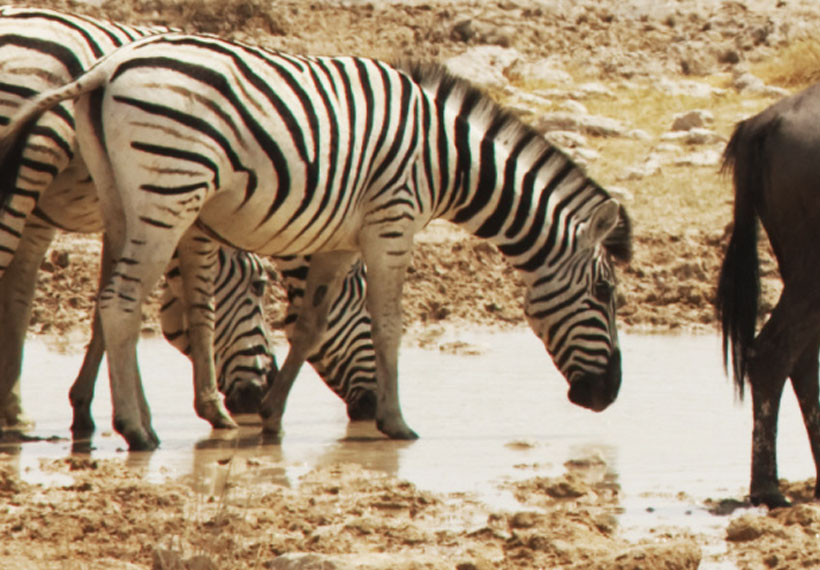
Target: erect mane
(436,78)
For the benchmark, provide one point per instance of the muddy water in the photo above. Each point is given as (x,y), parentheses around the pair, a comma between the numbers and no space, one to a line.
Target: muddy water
(675,437)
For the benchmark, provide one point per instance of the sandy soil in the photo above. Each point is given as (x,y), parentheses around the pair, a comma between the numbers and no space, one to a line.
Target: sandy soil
(109,518)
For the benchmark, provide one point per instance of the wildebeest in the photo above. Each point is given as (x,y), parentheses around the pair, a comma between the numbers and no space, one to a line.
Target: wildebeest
(775,159)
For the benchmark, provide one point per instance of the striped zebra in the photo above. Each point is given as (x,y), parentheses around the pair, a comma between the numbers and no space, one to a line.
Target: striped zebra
(42,49)
(332,157)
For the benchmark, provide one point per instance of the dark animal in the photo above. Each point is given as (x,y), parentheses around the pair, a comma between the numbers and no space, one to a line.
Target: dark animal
(775,158)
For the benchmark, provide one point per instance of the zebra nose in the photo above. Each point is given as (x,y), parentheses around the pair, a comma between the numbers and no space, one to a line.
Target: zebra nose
(597,392)
(244,396)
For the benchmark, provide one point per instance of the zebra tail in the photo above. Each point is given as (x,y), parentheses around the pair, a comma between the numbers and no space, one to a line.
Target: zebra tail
(738,290)
(14,134)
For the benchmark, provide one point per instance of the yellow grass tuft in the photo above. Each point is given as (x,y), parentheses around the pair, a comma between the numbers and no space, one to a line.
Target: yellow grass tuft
(796,66)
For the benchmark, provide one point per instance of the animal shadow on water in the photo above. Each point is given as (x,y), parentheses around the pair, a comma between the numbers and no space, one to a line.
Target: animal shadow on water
(773,158)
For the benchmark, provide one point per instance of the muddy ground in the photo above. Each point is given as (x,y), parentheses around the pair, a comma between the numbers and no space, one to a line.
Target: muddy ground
(109,518)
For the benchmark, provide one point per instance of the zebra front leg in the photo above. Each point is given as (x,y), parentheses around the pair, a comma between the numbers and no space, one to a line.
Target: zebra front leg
(387,262)
(324,279)
(198,266)
(81,393)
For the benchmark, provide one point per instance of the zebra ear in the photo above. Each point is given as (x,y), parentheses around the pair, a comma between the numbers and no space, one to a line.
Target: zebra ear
(602,221)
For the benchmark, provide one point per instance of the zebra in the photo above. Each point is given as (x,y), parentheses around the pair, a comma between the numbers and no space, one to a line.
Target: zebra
(45,48)
(331,157)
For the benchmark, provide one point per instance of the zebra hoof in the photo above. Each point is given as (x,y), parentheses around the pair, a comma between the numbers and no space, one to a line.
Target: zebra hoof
(396,430)
(214,412)
(83,425)
(140,440)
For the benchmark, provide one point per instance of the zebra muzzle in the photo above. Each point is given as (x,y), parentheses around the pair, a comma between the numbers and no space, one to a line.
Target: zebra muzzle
(597,392)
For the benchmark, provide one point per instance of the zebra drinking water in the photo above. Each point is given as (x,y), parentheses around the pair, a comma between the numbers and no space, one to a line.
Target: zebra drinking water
(50,188)
(285,155)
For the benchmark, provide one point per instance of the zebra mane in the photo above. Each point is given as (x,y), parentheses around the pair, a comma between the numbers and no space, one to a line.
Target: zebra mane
(436,78)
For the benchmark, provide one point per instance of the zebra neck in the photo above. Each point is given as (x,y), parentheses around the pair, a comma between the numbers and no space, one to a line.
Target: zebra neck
(504,183)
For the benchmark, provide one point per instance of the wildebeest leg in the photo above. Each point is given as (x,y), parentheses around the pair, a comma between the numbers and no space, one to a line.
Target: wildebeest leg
(16,293)
(325,276)
(197,266)
(81,393)
(804,379)
(775,352)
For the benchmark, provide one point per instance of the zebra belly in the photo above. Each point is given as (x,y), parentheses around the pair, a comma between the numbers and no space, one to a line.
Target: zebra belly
(241,229)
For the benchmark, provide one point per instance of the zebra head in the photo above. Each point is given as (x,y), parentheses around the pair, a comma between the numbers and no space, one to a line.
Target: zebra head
(243,356)
(571,306)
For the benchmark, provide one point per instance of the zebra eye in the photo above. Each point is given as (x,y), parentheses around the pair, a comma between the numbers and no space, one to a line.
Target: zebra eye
(258,287)
(603,292)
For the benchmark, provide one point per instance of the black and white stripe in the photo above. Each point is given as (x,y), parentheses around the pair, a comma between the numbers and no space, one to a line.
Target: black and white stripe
(345,356)
(289,155)
(50,188)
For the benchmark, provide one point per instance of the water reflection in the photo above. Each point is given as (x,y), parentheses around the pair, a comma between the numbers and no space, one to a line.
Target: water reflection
(675,437)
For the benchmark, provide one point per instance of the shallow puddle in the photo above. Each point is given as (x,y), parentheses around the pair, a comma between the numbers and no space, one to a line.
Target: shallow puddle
(675,437)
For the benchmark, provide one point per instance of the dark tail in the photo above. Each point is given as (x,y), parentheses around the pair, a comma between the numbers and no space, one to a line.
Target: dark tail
(738,289)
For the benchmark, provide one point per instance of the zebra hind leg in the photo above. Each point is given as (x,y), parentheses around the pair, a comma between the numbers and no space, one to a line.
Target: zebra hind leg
(16,293)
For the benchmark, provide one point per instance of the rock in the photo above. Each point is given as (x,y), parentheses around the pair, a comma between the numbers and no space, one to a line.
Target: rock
(485,66)
(573,106)
(301,561)
(588,124)
(751,527)
(638,135)
(702,158)
(651,166)
(697,63)
(694,136)
(527,101)
(620,193)
(541,71)
(674,555)
(697,118)
(583,156)
(478,32)
(172,560)
(687,87)
(524,520)
(567,139)
(745,82)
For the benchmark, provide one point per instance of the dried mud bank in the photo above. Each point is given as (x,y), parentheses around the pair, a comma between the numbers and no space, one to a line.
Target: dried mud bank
(337,517)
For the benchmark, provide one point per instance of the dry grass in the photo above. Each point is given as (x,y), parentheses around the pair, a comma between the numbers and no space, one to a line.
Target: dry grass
(675,199)
(794,67)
